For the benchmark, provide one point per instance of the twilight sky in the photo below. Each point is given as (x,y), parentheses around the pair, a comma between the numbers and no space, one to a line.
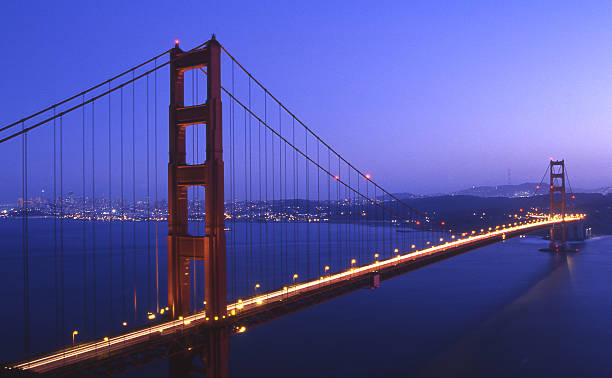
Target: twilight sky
(429,96)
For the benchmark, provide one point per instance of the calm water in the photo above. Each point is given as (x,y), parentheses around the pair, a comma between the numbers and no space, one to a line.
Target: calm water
(503,310)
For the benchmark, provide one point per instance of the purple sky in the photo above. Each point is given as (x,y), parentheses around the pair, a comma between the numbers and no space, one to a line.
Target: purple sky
(428,97)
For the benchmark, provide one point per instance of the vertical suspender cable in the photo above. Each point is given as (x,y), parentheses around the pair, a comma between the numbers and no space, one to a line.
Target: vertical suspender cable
(246,201)
(306,182)
(55,242)
(84,223)
(266,224)
(349,229)
(93,217)
(148,202)
(260,206)
(367,220)
(232,189)
(110,218)
(123,292)
(26,257)
(355,219)
(134,196)
(61,158)
(156,193)
(286,220)
(295,199)
(329,212)
(338,224)
(318,207)
(250,131)
(280,194)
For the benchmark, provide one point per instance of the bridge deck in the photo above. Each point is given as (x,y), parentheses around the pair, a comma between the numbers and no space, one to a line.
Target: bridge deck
(257,310)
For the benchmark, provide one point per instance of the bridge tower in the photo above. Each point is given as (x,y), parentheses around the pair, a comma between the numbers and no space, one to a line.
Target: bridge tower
(182,246)
(557,204)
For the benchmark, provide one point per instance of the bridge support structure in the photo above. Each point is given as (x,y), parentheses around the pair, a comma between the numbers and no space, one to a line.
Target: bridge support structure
(182,246)
(558,234)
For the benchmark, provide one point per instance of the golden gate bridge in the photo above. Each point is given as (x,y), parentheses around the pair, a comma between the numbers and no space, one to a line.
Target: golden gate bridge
(263,217)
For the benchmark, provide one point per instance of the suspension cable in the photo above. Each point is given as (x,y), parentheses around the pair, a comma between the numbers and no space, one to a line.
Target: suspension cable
(312,132)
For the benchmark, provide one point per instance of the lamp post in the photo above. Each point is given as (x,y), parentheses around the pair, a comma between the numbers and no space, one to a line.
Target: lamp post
(74,333)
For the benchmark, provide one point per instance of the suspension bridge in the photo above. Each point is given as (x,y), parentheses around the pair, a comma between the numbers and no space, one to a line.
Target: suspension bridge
(262,218)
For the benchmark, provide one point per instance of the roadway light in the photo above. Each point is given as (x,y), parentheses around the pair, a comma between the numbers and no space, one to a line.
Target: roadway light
(74,333)
(396,250)
(326,268)
(124,324)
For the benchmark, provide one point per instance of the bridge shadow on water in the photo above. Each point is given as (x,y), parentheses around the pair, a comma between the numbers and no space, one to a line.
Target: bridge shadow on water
(493,347)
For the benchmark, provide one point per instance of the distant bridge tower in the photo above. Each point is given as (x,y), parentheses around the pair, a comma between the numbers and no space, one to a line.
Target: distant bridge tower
(557,204)
(182,246)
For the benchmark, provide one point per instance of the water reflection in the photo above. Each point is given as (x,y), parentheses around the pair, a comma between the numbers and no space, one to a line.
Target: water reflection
(514,325)
(204,354)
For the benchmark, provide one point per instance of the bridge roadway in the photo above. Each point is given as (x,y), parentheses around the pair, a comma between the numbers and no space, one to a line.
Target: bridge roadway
(260,309)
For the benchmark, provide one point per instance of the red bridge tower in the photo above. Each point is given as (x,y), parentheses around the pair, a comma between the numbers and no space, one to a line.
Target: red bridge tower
(182,246)
(557,204)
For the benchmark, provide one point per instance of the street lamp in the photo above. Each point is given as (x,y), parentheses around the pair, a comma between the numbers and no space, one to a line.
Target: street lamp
(294,278)
(74,333)
(257,286)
